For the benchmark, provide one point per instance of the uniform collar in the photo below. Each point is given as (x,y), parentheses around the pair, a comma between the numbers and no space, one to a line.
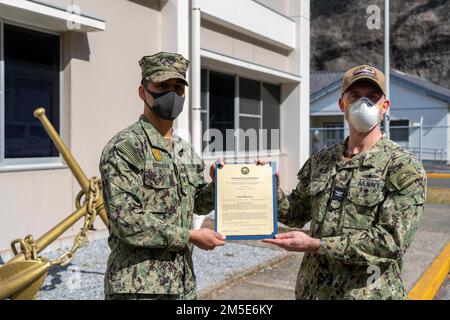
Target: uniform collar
(366,159)
(377,154)
(156,139)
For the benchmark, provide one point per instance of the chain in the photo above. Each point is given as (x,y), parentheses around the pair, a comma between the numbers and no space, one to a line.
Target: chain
(91,214)
(27,246)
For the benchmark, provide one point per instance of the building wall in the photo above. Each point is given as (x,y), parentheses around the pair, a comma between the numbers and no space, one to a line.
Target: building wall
(448,135)
(327,104)
(220,36)
(101,77)
(411,104)
(231,43)
(320,121)
(408,103)
(281,6)
(295,118)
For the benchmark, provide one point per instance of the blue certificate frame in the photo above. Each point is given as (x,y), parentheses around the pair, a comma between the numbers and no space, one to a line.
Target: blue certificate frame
(275,209)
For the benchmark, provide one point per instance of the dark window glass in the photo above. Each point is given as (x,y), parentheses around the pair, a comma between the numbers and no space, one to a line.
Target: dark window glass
(204,86)
(221,105)
(249,97)
(271,115)
(32,65)
(399,134)
(204,106)
(250,140)
(335,134)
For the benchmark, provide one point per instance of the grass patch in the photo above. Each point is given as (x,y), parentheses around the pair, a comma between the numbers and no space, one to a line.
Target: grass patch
(438,195)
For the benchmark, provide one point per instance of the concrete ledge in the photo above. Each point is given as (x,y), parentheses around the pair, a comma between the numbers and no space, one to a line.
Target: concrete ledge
(432,279)
(49,16)
(239,15)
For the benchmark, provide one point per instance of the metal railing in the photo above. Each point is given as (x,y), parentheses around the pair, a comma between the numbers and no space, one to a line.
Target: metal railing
(427,143)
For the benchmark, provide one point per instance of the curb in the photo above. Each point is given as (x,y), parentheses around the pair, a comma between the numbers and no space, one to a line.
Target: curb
(205,294)
(438,175)
(431,280)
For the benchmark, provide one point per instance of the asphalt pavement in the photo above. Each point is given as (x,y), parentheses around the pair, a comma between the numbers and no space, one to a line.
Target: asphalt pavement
(277,281)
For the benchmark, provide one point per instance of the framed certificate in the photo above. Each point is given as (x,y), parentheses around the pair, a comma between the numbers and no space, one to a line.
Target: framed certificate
(246,202)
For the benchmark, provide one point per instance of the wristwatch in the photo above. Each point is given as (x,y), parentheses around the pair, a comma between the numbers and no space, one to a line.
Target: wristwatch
(321,249)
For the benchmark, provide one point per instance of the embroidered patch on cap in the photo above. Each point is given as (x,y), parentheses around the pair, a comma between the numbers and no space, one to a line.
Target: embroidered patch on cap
(365,71)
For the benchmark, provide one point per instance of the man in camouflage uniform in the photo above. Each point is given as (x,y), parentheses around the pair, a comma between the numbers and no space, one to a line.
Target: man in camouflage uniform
(364,198)
(152,184)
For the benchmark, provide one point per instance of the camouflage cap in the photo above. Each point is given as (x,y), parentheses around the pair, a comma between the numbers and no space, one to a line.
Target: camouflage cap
(364,72)
(164,66)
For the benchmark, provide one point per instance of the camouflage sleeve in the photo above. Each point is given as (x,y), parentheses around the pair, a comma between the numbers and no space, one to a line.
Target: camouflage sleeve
(204,199)
(129,220)
(399,218)
(294,210)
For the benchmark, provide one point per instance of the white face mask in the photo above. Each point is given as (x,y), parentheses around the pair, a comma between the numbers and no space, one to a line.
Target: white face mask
(363,114)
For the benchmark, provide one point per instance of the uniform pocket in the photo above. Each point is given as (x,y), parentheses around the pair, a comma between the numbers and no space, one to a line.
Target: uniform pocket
(159,175)
(366,192)
(194,174)
(360,211)
(160,187)
(317,186)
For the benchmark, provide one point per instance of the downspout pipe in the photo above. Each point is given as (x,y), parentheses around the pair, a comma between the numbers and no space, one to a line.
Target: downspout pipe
(196,127)
(387,65)
(196,74)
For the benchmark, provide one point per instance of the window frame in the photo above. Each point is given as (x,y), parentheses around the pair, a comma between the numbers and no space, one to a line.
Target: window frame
(248,115)
(237,153)
(39,163)
(406,128)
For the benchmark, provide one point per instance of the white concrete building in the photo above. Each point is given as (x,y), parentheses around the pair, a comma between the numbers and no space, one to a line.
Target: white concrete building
(78,58)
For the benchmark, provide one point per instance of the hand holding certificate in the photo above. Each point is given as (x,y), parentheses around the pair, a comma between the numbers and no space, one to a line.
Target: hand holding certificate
(246,201)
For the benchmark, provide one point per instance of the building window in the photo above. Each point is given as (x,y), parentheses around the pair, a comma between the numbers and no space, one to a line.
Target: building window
(229,103)
(271,97)
(31,78)
(221,106)
(250,114)
(334,133)
(399,130)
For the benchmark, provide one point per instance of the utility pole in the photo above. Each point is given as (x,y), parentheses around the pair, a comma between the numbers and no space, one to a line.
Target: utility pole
(387,65)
